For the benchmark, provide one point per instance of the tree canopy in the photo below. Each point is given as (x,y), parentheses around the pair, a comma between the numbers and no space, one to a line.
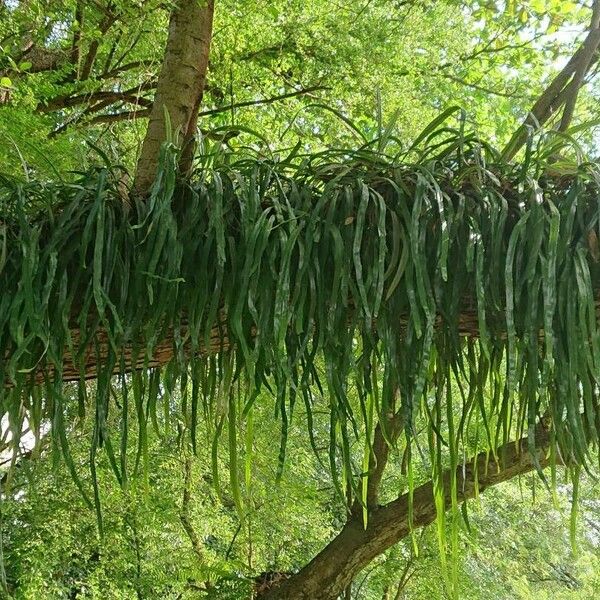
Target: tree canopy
(367,231)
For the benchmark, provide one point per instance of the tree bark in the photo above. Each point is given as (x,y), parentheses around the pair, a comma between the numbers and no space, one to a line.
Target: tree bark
(97,350)
(378,460)
(330,572)
(563,89)
(180,85)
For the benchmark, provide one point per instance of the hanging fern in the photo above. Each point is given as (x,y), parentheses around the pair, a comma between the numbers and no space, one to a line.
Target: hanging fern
(456,280)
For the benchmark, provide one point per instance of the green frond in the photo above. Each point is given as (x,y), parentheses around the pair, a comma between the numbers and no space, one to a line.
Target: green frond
(460,277)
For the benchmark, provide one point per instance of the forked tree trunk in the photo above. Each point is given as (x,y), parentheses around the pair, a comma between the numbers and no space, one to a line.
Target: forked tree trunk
(180,86)
(328,574)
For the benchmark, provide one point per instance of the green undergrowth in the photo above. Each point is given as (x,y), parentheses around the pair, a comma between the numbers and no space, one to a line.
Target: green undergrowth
(347,275)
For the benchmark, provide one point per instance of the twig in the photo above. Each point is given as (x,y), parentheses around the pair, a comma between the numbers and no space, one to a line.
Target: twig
(271,100)
(184,514)
(476,86)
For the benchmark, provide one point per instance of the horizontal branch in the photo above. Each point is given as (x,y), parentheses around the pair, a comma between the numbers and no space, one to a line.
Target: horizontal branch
(126,115)
(111,96)
(163,351)
(127,67)
(93,356)
(467,326)
(145,113)
(478,87)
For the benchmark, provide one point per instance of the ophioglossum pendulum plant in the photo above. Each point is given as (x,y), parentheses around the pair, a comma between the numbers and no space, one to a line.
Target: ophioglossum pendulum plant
(452,283)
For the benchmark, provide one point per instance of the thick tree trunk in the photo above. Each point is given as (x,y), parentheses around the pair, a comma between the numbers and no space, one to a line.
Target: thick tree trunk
(330,572)
(180,85)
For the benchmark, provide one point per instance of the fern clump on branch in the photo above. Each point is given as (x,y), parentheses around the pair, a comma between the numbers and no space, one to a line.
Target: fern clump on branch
(457,284)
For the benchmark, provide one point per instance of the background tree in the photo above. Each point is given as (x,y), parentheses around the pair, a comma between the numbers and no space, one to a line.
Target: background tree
(82,72)
(51,548)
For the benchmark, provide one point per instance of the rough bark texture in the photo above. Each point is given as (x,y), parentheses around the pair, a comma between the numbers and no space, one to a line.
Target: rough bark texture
(180,84)
(330,572)
(378,460)
(162,353)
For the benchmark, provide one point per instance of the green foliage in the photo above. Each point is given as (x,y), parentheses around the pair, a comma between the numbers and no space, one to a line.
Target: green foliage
(422,56)
(52,548)
(517,545)
(335,279)
(351,258)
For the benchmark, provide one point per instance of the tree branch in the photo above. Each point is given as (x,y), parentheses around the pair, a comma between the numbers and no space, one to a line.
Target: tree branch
(127,115)
(110,18)
(144,113)
(109,74)
(120,116)
(490,47)
(562,89)
(476,86)
(184,514)
(583,67)
(61,102)
(122,98)
(76,45)
(378,460)
(271,100)
(328,574)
